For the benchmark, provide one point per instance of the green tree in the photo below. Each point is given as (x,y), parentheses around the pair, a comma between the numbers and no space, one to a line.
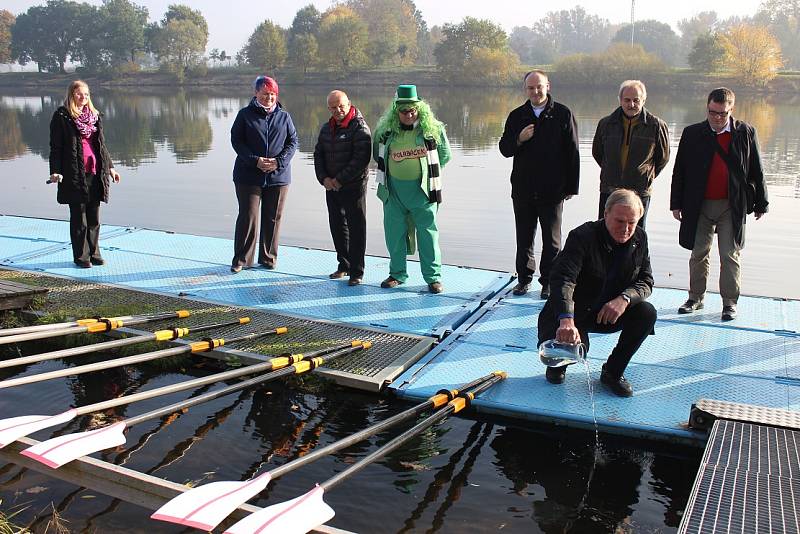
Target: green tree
(6,22)
(701,24)
(180,39)
(304,53)
(782,17)
(707,54)
(123,29)
(753,54)
(570,32)
(461,40)
(393,26)
(620,61)
(654,36)
(266,46)
(50,34)
(345,36)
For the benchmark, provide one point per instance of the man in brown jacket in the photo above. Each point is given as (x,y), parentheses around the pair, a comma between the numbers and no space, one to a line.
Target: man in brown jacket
(631,146)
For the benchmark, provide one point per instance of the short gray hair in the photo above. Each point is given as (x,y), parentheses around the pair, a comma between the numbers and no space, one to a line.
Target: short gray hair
(625,197)
(633,83)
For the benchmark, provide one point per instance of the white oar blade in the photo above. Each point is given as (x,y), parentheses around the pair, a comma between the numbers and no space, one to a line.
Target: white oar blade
(297,516)
(204,507)
(63,449)
(13,428)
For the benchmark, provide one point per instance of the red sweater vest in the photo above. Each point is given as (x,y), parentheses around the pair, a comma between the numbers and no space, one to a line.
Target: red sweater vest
(717,185)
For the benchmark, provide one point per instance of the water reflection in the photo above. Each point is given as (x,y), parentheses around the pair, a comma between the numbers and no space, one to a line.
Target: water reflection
(137,124)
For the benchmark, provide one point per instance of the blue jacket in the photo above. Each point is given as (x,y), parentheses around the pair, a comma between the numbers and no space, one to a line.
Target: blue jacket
(256,133)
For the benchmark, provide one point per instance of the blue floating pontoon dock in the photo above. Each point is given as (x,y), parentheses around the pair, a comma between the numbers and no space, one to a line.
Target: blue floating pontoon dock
(479,326)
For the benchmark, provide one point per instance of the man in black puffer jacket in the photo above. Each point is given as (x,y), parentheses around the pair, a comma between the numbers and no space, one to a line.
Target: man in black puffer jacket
(341,157)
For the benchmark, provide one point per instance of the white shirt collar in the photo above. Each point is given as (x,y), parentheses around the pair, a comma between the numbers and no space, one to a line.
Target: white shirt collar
(726,129)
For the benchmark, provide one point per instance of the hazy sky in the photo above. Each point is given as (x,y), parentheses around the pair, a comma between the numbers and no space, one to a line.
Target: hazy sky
(231,21)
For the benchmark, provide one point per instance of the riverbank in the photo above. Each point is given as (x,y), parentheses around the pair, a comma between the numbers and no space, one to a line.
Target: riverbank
(427,76)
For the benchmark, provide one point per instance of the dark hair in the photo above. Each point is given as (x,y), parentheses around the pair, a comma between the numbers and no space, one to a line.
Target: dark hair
(721,95)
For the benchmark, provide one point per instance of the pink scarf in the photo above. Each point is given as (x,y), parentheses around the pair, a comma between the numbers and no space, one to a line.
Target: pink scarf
(86,122)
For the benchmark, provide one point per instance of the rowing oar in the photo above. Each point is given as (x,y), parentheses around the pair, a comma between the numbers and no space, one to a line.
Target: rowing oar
(197,346)
(58,451)
(50,326)
(204,507)
(104,324)
(13,428)
(158,335)
(308,511)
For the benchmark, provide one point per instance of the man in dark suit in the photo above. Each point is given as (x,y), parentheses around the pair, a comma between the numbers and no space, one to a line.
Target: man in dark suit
(542,137)
(716,183)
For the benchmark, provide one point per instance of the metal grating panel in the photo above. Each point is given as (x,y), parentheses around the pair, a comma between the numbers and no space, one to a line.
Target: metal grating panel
(81,299)
(748,482)
(750,413)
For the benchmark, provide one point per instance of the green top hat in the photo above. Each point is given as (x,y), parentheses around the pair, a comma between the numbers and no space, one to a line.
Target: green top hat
(406,93)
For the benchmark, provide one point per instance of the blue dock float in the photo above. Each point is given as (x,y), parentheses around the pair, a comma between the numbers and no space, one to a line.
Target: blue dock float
(481,327)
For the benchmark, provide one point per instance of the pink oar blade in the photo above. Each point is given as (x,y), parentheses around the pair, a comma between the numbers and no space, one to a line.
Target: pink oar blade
(297,516)
(204,507)
(63,449)
(13,428)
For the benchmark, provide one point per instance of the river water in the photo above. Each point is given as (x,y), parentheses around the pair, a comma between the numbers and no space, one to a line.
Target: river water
(173,151)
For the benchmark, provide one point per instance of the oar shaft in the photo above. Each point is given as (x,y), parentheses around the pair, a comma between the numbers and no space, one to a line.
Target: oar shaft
(188,403)
(405,436)
(161,335)
(197,346)
(52,326)
(377,428)
(95,327)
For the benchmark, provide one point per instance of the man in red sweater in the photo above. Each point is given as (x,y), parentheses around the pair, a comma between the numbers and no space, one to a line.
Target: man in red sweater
(716,183)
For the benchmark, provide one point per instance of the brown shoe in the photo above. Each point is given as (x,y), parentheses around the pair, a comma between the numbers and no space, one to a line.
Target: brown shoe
(236,269)
(435,287)
(521,288)
(354,282)
(337,275)
(390,283)
(267,265)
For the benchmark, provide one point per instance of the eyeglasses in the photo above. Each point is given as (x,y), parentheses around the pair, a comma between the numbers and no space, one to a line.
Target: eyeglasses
(719,114)
(407,111)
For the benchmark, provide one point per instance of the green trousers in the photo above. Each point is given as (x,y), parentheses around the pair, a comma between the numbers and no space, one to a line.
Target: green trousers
(408,208)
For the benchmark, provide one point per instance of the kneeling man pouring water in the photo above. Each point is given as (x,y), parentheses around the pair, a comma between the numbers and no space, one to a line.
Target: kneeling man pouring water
(599,283)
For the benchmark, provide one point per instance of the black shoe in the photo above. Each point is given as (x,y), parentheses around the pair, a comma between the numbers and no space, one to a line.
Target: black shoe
(556,375)
(336,275)
(267,265)
(545,292)
(354,281)
(521,289)
(83,264)
(690,305)
(618,386)
(236,269)
(390,283)
(435,287)
(729,312)
(97,261)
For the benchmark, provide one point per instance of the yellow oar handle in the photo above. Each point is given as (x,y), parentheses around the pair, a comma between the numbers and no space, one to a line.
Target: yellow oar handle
(206,344)
(167,335)
(462,401)
(182,314)
(281,330)
(286,361)
(245,320)
(104,325)
(501,374)
(85,322)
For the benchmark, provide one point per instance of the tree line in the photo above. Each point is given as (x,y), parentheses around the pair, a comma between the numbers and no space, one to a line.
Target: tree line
(362,34)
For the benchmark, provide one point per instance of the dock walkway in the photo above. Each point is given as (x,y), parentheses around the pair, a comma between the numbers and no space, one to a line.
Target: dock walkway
(482,327)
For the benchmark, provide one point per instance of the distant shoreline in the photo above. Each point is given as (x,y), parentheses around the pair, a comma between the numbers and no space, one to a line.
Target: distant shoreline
(784,84)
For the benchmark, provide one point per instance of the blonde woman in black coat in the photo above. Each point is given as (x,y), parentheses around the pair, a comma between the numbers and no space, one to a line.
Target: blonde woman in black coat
(82,167)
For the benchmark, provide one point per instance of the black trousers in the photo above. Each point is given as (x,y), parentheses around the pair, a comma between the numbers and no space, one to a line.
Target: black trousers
(527,214)
(84,224)
(347,217)
(636,324)
(602,208)
(266,204)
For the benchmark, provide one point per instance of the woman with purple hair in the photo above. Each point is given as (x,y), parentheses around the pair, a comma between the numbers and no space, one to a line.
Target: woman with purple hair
(264,138)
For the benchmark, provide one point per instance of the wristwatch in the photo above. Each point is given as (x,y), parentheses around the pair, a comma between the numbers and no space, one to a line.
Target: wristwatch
(626,298)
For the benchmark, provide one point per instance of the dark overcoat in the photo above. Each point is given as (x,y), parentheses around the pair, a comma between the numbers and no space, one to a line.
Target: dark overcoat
(690,176)
(66,159)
